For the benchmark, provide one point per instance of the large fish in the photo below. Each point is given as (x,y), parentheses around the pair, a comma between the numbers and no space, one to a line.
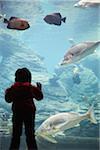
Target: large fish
(79,51)
(87,3)
(54,18)
(61,122)
(15,23)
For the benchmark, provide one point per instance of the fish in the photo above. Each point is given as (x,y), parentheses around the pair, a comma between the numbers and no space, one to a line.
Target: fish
(58,123)
(87,3)
(54,18)
(79,51)
(16,23)
(76,76)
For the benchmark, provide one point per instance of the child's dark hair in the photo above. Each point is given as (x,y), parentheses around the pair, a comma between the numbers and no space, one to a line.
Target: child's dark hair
(23,75)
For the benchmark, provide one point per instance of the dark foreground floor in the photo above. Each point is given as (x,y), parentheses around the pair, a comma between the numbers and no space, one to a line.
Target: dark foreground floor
(71,143)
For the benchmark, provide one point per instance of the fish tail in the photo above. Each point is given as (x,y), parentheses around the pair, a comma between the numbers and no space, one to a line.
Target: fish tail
(91,116)
(2,17)
(5,20)
(64,19)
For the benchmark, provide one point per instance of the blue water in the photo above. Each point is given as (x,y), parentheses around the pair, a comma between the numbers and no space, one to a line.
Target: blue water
(81,25)
(42,47)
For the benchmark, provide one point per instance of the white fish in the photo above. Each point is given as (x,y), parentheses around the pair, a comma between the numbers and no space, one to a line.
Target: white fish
(86,3)
(79,51)
(61,122)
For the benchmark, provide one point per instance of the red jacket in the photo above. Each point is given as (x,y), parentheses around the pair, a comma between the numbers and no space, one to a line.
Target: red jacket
(21,95)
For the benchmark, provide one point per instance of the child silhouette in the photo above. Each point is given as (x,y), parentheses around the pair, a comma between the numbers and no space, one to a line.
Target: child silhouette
(21,94)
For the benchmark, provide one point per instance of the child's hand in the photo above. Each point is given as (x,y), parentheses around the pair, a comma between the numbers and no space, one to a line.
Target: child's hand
(39,85)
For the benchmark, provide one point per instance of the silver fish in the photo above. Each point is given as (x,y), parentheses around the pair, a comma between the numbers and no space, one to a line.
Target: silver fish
(87,3)
(62,121)
(79,51)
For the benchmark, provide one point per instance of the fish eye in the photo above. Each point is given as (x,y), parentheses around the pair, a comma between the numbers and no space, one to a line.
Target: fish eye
(71,54)
(48,127)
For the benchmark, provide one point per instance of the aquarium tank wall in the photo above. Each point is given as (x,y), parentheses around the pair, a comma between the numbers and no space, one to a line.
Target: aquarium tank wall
(62,54)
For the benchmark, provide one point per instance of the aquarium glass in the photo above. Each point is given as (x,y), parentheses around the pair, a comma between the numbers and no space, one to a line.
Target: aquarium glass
(41,48)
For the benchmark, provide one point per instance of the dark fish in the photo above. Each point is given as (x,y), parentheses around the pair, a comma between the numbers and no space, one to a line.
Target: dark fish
(55,19)
(76,78)
(16,23)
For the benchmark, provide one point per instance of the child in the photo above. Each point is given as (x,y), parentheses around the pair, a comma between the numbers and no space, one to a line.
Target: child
(21,94)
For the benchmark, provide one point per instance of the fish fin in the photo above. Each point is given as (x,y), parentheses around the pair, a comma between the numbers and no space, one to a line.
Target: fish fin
(57,14)
(60,133)
(11,18)
(91,116)
(5,20)
(58,128)
(9,27)
(49,138)
(64,19)
(72,42)
(58,24)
